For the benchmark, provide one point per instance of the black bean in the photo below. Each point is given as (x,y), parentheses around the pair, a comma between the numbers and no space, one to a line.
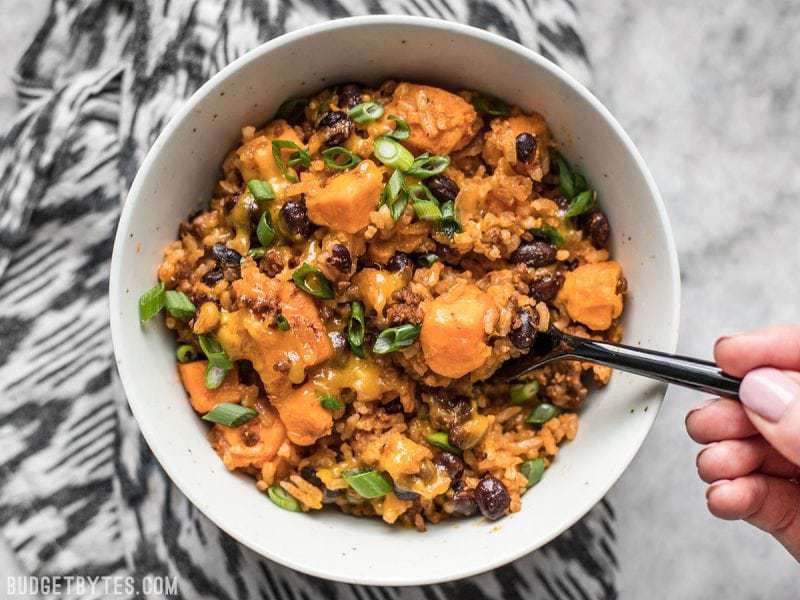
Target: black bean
(394,407)
(526,147)
(225,255)
(546,287)
(336,127)
(295,217)
(349,96)
(537,253)
(492,497)
(571,264)
(309,473)
(562,201)
(340,258)
(464,503)
(595,225)
(398,262)
(452,464)
(213,276)
(338,340)
(524,332)
(404,494)
(444,188)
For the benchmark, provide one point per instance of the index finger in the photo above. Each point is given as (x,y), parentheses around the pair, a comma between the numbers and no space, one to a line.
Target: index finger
(777,347)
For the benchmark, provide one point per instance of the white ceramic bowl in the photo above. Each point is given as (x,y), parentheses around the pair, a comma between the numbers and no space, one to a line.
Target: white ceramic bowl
(177,177)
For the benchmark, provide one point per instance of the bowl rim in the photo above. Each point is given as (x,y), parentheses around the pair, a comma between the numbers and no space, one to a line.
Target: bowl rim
(116,286)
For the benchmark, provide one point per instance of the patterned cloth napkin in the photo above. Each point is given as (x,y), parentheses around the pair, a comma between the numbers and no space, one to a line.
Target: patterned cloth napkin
(80,492)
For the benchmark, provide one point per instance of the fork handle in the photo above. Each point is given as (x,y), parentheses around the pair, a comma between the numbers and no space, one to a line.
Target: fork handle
(694,373)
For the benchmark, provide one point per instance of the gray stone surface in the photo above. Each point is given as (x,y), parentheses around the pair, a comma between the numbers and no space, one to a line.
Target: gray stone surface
(709,93)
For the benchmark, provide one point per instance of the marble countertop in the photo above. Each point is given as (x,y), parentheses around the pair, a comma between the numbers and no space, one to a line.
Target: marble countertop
(709,93)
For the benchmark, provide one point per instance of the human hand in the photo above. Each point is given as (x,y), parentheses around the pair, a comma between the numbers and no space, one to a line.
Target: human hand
(752,459)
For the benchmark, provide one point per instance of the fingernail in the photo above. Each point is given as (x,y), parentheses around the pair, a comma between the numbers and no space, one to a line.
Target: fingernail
(727,337)
(715,485)
(768,392)
(699,454)
(700,407)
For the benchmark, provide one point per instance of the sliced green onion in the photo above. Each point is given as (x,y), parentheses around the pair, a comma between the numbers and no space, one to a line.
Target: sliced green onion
(551,234)
(292,109)
(399,206)
(533,471)
(283,499)
(427,210)
(214,376)
(579,182)
(312,282)
(426,260)
(262,190)
(365,112)
(368,483)
(179,305)
(581,203)
(265,231)
(419,192)
(356,328)
(441,441)
(339,158)
(426,166)
(151,302)
(214,352)
(401,129)
(186,353)
(330,402)
(230,415)
(566,182)
(489,105)
(543,413)
(449,224)
(394,338)
(524,392)
(393,154)
(299,157)
(392,189)
(255,253)
(282,322)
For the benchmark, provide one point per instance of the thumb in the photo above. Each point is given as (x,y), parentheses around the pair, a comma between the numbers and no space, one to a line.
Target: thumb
(771,398)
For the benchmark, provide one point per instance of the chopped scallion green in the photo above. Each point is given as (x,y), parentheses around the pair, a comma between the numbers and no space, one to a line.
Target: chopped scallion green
(292,109)
(255,253)
(399,206)
(368,483)
(265,231)
(395,338)
(441,441)
(281,322)
(356,328)
(425,166)
(230,415)
(542,414)
(312,282)
(365,112)
(524,392)
(214,376)
(551,234)
(186,353)
(566,182)
(339,158)
(179,305)
(393,154)
(426,260)
(218,362)
(151,302)
(401,129)
(330,402)
(283,499)
(489,105)
(300,156)
(581,203)
(449,224)
(427,210)
(533,471)
(262,190)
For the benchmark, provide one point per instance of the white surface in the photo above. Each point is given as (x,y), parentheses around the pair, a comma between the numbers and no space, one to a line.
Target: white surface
(181,169)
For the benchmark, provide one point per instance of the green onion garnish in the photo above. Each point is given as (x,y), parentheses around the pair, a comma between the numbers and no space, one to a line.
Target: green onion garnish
(399,207)
(262,190)
(230,415)
(425,166)
(186,353)
(419,192)
(579,182)
(280,497)
(218,362)
(394,338)
(489,105)
(179,305)
(299,157)
(255,253)
(392,188)
(151,302)
(551,234)
(427,210)
(393,154)
(312,282)
(524,392)
(356,328)
(339,158)
(214,376)
(401,129)
(542,414)
(533,470)
(292,109)
(441,441)
(581,203)
(368,483)
(265,231)
(426,260)
(566,182)
(449,224)
(281,322)
(365,112)
(330,402)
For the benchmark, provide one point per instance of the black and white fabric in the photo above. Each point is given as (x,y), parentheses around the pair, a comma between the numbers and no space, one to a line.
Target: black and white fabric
(80,492)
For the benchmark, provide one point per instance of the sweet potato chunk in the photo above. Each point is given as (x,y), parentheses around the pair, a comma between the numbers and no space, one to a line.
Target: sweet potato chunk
(376,287)
(590,294)
(501,142)
(344,203)
(251,444)
(255,159)
(203,399)
(402,456)
(453,335)
(304,417)
(440,122)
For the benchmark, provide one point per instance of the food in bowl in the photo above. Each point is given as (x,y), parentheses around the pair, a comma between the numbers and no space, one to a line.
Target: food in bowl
(370,258)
